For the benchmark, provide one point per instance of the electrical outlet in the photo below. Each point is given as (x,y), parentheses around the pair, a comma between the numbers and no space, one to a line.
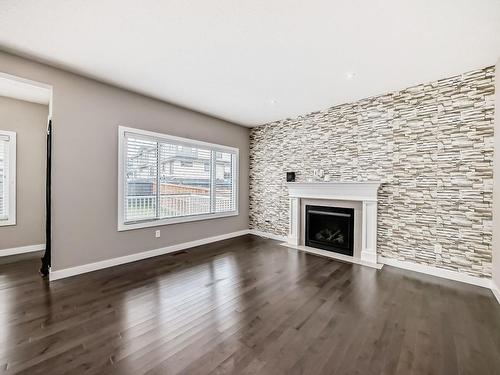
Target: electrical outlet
(157,234)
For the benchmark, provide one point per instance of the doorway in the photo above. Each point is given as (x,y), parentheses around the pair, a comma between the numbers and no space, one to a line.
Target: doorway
(25,171)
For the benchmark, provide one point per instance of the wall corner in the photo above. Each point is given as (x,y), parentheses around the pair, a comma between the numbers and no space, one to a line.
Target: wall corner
(496,182)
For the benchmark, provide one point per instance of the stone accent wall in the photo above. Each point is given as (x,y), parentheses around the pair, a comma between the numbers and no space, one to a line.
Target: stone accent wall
(432,147)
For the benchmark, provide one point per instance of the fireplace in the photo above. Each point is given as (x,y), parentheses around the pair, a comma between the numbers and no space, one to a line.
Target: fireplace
(330,228)
(359,196)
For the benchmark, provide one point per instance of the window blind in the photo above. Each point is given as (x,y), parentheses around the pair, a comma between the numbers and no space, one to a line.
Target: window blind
(167,179)
(224,182)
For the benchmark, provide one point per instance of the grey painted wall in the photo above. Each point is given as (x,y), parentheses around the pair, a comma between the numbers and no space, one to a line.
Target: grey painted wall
(29,121)
(432,147)
(496,185)
(86,116)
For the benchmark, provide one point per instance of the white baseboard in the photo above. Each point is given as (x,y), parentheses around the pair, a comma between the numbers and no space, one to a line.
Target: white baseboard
(21,250)
(271,236)
(439,272)
(429,270)
(73,271)
(496,290)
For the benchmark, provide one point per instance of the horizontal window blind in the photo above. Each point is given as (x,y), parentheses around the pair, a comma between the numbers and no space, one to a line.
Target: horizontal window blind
(225,192)
(167,179)
(141,179)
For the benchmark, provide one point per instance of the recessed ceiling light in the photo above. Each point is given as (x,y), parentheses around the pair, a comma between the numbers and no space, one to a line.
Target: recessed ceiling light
(350,75)
(272,101)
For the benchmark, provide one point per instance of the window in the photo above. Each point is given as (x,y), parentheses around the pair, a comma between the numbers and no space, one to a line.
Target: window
(7,178)
(165,180)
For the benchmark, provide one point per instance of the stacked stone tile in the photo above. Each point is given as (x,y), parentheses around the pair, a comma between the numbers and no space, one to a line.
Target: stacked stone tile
(432,147)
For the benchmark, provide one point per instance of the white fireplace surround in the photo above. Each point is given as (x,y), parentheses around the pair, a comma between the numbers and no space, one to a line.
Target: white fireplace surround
(364,192)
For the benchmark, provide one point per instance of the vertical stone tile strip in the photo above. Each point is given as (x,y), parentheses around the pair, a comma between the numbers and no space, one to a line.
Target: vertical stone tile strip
(432,147)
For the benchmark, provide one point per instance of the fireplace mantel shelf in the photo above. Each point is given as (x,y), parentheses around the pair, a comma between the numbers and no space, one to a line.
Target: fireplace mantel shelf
(365,192)
(340,190)
(333,183)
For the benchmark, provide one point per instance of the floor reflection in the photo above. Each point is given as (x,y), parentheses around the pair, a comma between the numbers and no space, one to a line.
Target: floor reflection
(242,305)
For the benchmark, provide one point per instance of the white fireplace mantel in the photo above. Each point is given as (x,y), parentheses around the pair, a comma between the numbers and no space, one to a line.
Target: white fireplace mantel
(365,192)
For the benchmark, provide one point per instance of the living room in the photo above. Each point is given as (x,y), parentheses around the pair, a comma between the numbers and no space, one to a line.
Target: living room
(249,188)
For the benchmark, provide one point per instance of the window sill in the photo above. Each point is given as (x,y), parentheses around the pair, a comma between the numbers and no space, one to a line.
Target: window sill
(186,219)
(5,223)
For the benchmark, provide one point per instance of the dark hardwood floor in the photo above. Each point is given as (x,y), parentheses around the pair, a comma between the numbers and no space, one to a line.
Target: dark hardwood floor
(245,306)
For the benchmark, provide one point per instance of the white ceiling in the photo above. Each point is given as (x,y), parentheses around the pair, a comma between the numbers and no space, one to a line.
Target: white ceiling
(13,87)
(251,62)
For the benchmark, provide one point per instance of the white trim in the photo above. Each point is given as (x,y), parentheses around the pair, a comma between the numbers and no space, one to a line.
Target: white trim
(121,177)
(10,171)
(73,271)
(294,222)
(122,130)
(177,220)
(25,81)
(369,233)
(330,254)
(365,192)
(496,290)
(428,270)
(21,250)
(32,83)
(439,272)
(186,141)
(338,190)
(271,236)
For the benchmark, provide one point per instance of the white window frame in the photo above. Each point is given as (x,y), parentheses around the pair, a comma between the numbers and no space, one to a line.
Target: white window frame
(10,171)
(123,226)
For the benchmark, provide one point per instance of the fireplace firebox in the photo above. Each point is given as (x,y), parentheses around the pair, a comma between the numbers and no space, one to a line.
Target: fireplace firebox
(330,228)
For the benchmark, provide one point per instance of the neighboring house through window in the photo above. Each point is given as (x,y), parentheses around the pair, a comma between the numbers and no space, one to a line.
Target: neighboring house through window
(165,179)
(7,178)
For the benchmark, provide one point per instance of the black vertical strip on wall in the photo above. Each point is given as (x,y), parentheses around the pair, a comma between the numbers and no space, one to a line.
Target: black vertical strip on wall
(44,270)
